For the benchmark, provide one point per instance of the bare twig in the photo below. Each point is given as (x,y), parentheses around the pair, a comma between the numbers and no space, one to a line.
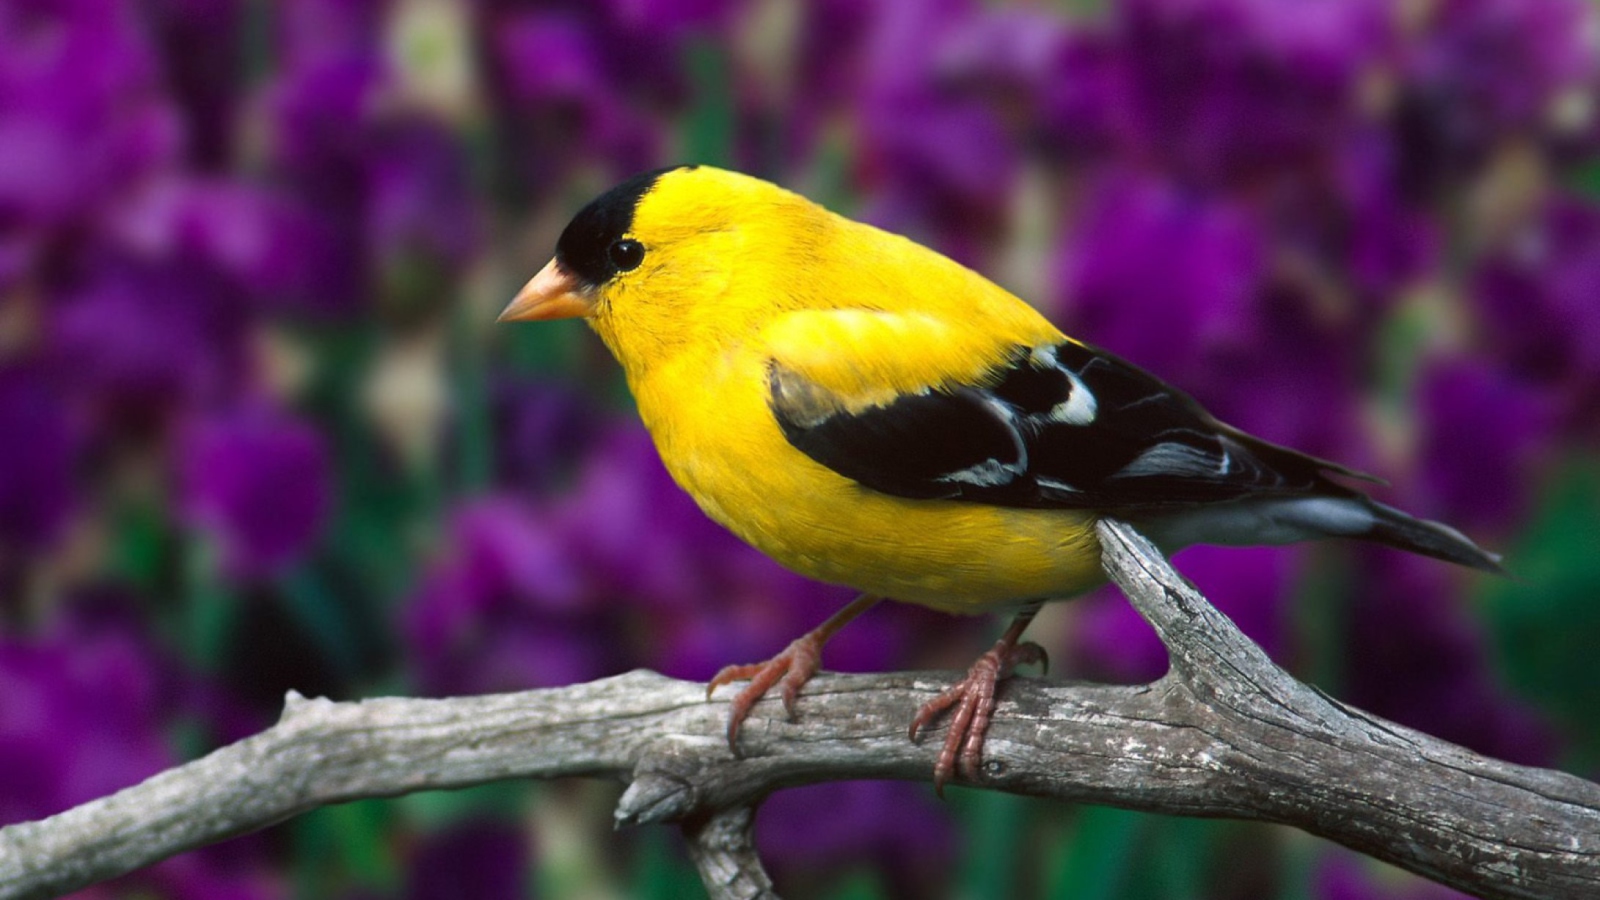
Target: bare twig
(1225,733)
(725,853)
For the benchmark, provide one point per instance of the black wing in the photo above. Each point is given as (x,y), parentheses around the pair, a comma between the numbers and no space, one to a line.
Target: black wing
(1063,426)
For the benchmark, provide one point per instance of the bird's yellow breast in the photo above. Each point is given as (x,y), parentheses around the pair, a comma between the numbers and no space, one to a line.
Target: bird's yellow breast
(954,556)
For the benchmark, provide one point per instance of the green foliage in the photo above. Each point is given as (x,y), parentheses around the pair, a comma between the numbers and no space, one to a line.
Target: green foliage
(661,869)
(343,848)
(1543,620)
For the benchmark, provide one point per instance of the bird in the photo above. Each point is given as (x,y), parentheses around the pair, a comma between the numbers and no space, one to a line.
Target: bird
(868,412)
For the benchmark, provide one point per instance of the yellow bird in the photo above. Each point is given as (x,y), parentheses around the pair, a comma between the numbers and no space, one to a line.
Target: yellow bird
(868,412)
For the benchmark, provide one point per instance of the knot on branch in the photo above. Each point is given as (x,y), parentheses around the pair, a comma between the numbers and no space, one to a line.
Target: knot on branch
(664,786)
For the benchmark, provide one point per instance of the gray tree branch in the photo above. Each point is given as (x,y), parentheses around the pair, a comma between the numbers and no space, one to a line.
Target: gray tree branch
(1224,733)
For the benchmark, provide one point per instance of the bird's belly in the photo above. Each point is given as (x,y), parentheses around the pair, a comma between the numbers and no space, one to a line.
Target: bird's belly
(716,435)
(949,555)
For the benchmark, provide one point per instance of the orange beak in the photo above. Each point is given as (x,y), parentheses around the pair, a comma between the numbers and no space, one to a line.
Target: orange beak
(551,294)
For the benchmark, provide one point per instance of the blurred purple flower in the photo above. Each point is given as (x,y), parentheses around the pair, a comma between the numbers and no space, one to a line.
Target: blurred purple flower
(1080,105)
(89,703)
(478,858)
(892,828)
(323,108)
(1537,297)
(1258,97)
(541,431)
(512,548)
(829,45)
(321,114)
(901,49)
(82,119)
(622,571)
(938,160)
(138,342)
(201,48)
(1219,90)
(1162,274)
(709,599)
(671,20)
(551,57)
(585,80)
(1412,655)
(1181,282)
(1300,385)
(567,105)
(960,147)
(1484,439)
(314,31)
(257,480)
(1110,642)
(263,245)
(207,874)
(939,168)
(646,39)
(388,189)
(80,721)
(631,526)
(419,203)
(551,595)
(1483,72)
(504,608)
(756,609)
(1342,875)
(38,459)
(1251,585)
(1375,238)
(1007,52)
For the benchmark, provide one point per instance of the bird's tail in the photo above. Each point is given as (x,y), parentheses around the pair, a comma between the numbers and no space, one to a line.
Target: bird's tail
(1283,520)
(1397,529)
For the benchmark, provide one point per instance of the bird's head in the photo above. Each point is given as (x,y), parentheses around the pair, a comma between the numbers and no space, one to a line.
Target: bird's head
(651,263)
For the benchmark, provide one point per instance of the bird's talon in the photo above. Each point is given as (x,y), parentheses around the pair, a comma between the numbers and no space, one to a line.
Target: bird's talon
(730,674)
(792,669)
(973,701)
(932,709)
(791,689)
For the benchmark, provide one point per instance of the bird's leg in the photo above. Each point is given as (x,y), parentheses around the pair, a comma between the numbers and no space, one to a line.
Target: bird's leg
(794,666)
(973,698)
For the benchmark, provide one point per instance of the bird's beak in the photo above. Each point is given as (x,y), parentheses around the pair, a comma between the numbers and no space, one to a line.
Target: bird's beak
(551,294)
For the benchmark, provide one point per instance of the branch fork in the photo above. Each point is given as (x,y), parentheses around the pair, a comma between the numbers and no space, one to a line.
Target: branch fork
(1224,733)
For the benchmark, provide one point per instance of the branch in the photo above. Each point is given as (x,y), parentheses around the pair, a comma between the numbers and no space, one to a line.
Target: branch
(1224,733)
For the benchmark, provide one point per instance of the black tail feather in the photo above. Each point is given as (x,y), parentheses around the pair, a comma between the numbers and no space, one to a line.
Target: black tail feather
(1429,538)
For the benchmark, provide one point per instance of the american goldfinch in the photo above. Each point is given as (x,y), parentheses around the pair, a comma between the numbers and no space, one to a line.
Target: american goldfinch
(868,412)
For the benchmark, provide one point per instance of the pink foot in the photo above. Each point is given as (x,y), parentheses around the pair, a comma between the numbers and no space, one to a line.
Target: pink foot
(794,667)
(973,698)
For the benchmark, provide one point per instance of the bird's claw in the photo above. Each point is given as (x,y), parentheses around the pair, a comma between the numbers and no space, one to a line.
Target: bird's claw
(973,698)
(793,668)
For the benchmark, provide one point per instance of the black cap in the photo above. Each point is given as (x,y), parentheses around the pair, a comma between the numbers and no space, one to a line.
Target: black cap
(583,249)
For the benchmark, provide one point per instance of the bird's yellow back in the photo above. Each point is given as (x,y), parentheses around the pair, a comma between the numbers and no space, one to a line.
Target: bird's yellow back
(729,256)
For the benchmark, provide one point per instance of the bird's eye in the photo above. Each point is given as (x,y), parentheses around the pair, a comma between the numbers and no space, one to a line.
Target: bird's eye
(626,254)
